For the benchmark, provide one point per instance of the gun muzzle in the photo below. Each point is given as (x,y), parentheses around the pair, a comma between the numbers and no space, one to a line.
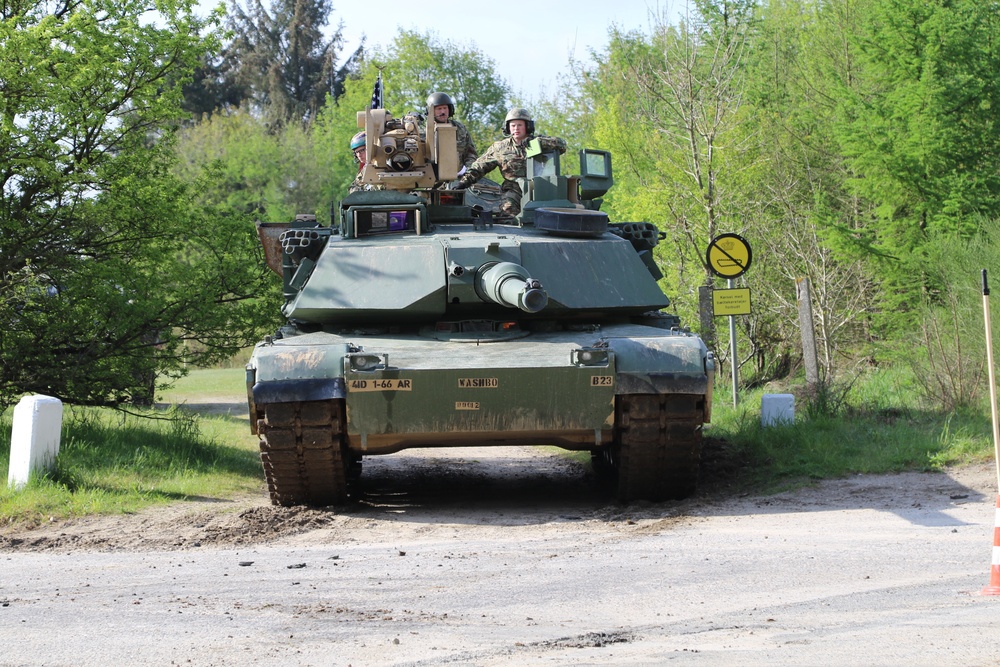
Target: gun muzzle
(509,285)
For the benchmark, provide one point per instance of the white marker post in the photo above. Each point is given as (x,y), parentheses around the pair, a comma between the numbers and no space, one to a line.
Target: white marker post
(34,438)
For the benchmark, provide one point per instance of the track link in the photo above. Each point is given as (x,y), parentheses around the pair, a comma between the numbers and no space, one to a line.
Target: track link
(302,452)
(657,446)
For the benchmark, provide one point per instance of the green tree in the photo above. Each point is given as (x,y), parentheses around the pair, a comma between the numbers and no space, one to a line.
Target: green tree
(845,139)
(282,60)
(332,132)
(809,224)
(880,132)
(211,89)
(108,276)
(272,174)
(416,65)
(671,108)
(917,127)
(249,170)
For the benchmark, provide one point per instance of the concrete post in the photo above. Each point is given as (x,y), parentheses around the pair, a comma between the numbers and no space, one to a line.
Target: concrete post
(777,409)
(34,438)
(809,356)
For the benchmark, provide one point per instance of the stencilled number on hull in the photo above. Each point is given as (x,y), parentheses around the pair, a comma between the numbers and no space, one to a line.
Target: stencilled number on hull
(380,385)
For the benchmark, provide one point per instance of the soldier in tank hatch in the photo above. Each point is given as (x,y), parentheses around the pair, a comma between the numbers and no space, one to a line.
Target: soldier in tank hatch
(358,148)
(510,157)
(441,108)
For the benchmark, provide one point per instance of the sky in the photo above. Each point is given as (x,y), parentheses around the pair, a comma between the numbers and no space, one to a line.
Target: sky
(531,42)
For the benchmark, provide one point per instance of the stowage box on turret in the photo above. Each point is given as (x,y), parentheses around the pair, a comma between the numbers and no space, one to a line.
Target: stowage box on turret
(417,320)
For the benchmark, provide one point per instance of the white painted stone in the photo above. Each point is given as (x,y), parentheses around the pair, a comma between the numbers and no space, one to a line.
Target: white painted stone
(777,409)
(34,438)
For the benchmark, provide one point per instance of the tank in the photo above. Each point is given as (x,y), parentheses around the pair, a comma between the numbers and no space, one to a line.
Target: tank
(419,318)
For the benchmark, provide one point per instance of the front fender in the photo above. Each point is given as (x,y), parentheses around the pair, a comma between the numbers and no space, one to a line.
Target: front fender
(677,363)
(288,371)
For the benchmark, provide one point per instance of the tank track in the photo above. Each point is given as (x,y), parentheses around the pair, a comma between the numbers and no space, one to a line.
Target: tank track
(657,446)
(302,451)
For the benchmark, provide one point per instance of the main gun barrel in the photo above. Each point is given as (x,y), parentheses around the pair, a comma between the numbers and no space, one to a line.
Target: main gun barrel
(509,284)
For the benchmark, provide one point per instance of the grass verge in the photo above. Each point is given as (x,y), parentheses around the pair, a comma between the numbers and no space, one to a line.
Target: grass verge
(864,430)
(110,462)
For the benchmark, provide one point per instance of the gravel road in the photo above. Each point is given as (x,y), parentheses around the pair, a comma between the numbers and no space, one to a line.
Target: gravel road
(513,556)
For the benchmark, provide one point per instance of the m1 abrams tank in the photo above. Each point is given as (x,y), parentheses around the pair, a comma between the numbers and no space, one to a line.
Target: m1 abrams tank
(417,320)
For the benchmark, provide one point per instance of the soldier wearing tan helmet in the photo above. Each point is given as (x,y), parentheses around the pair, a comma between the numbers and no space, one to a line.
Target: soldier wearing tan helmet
(441,108)
(510,157)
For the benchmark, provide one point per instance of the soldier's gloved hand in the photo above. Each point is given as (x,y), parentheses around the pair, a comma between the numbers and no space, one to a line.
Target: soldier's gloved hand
(461,184)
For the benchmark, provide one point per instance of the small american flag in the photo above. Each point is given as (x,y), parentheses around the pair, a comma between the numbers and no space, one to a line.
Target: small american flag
(377,92)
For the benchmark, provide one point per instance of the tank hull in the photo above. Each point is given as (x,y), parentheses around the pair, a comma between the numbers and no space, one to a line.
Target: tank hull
(439,390)
(532,384)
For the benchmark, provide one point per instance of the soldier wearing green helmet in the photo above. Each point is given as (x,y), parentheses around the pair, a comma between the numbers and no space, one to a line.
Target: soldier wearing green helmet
(510,157)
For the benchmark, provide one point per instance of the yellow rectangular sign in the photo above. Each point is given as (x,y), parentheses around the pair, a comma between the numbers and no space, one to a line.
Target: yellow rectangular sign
(734,301)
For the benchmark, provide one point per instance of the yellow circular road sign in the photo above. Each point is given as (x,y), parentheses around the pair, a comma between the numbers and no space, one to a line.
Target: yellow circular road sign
(728,255)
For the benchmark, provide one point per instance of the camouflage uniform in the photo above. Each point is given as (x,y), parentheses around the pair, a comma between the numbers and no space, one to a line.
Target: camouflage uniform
(510,157)
(467,152)
(357,143)
(358,185)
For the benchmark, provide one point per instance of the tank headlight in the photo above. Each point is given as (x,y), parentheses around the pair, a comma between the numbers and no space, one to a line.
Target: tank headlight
(589,356)
(365,362)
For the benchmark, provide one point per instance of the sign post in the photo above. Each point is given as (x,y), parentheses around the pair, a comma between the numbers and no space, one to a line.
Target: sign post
(993,391)
(729,257)
(993,588)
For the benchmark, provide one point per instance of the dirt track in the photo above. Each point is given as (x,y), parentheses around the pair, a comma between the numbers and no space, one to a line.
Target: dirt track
(514,557)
